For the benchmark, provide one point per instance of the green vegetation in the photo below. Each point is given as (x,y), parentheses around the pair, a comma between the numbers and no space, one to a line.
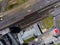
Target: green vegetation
(53,44)
(22,1)
(30,39)
(18,2)
(11,6)
(3,0)
(48,22)
(58,23)
(56,44)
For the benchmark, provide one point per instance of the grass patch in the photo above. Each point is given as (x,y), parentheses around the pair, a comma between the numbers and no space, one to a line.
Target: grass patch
(58,44)
(28,40)
(3,0)
(22,1)
(11,6)
(18,2)
(48,22)
(58,23)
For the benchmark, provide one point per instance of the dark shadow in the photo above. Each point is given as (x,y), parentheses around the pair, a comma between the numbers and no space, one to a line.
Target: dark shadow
(15,29)
(25,43)
(3,42)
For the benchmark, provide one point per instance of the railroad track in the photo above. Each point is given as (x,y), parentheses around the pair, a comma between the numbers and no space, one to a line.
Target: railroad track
(20,17)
